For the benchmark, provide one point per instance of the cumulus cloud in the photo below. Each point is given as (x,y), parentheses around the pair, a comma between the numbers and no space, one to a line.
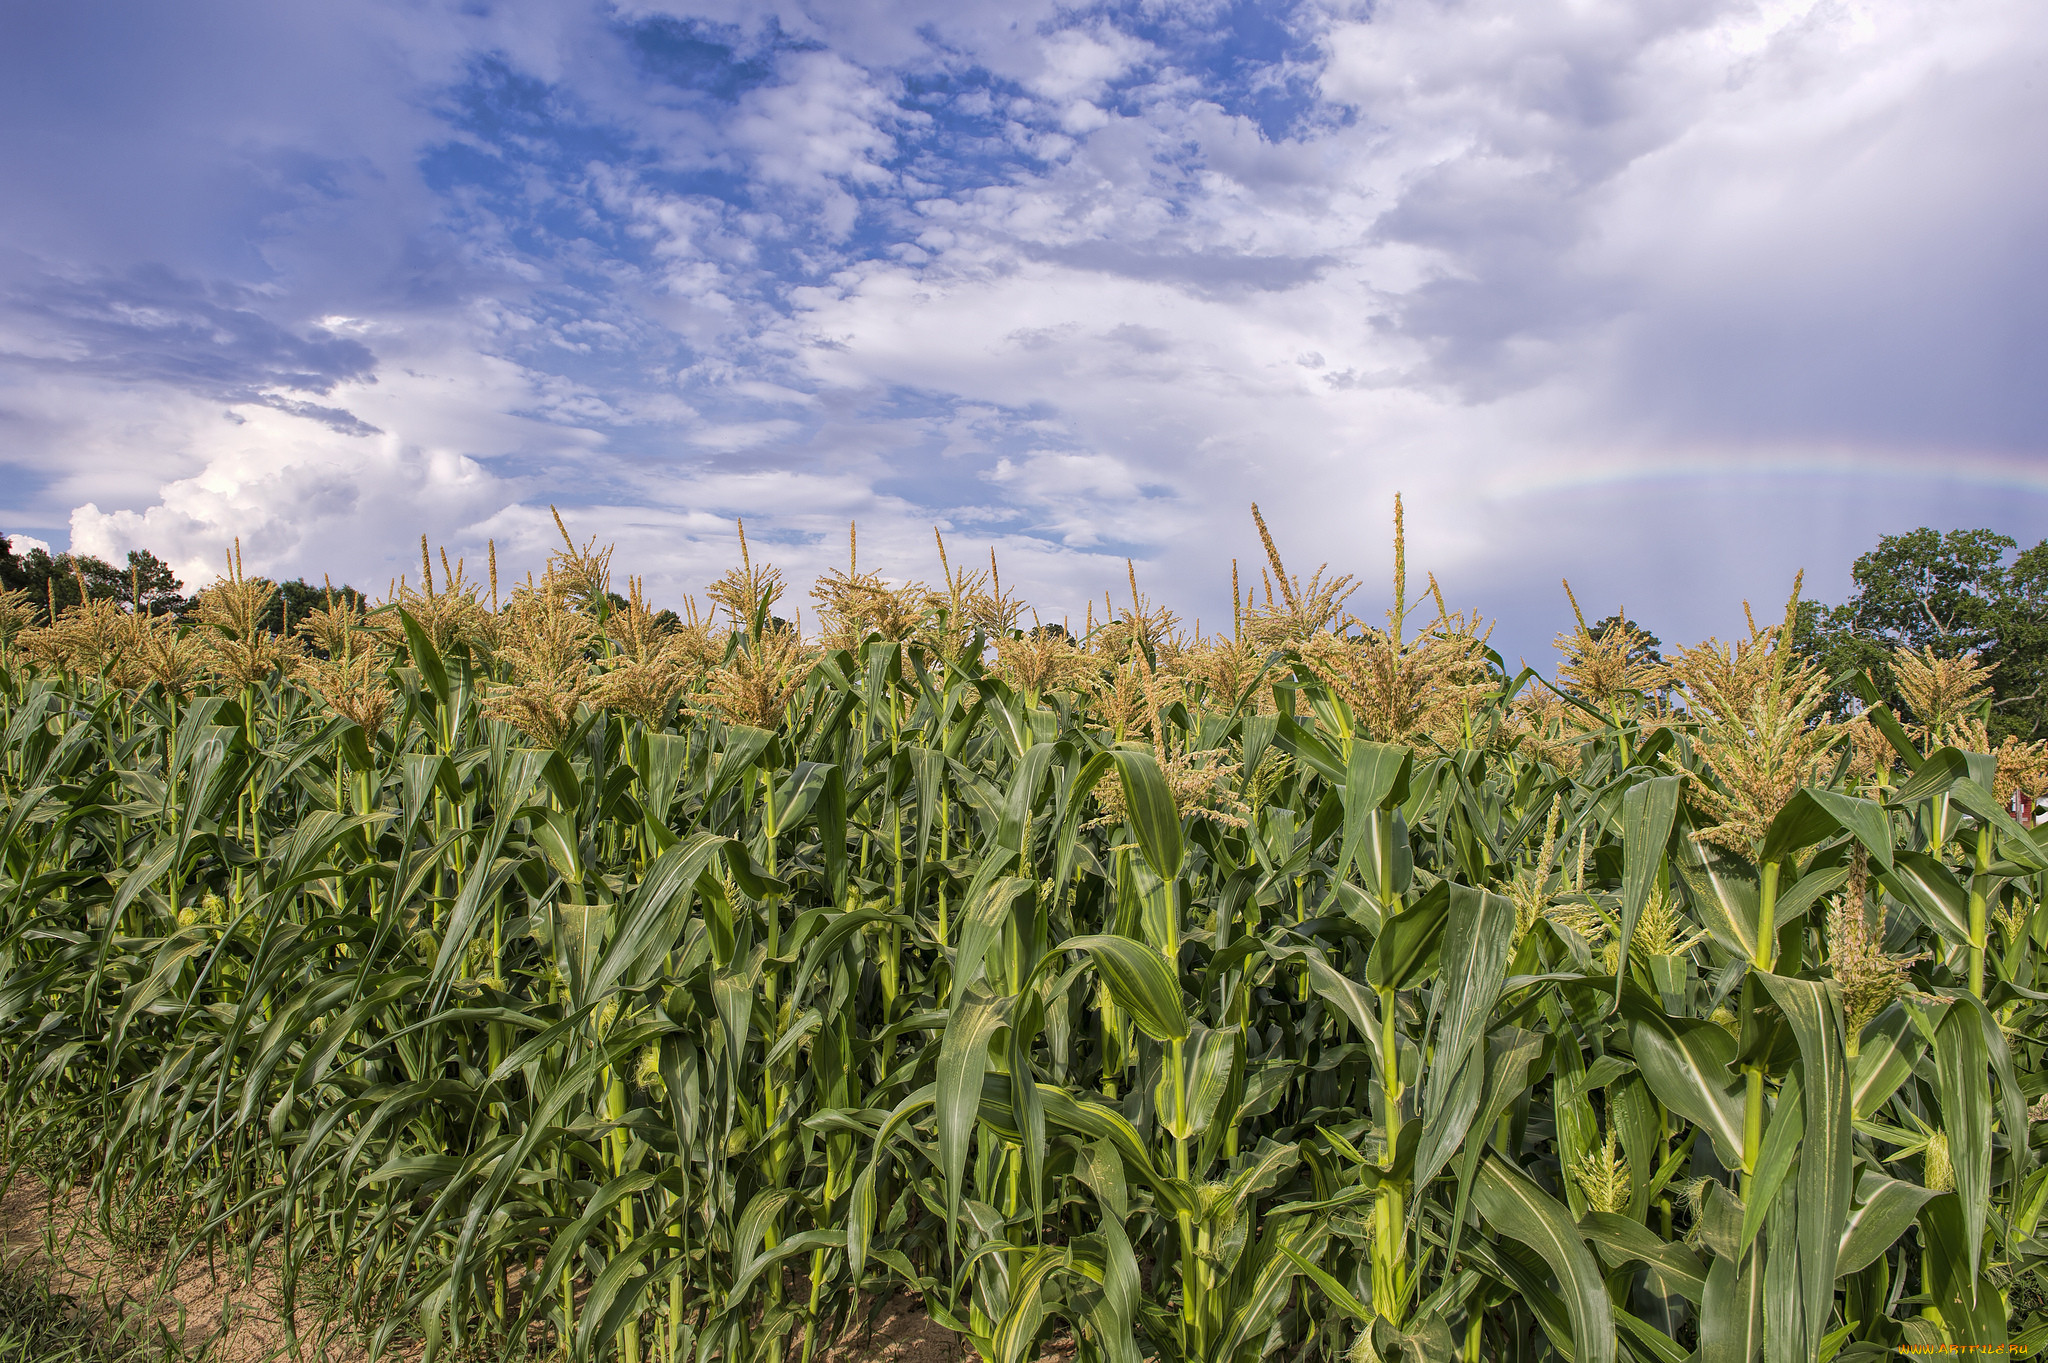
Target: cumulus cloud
(1671,298)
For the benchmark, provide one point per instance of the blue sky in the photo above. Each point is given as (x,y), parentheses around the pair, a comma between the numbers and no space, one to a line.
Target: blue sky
(1672,299)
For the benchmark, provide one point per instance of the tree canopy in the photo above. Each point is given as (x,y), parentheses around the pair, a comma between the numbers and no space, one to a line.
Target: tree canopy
(1963,591)
(58,579)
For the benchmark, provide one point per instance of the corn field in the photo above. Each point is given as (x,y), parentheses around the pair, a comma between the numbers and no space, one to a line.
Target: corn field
(564,979)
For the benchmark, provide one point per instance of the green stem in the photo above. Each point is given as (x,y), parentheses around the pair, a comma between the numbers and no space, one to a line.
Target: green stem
(1390,1239)
(892,953)
(615,1110)
(1390,1072)
(1752,1122)
(1767,919)
(1389,1253)
(771,1091)
(1979,934)
(945,851)
(1765,957)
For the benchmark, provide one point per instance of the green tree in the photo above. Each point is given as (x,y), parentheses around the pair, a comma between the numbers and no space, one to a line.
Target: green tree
(1646,645)
(297,599)
(1956,592)
(2021,650)
(1926,589)
(56,579)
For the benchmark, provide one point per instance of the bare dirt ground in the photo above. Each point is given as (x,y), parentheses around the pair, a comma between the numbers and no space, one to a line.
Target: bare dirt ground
(903,1334)
(208,1308)
(218,1314)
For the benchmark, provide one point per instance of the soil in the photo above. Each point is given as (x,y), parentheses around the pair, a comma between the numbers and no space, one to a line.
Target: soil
(211,1309)
(218,1314)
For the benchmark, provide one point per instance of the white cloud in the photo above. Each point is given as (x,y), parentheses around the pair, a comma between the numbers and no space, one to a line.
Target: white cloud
(1073,63)
(820,133)
(21,546)
(296,494)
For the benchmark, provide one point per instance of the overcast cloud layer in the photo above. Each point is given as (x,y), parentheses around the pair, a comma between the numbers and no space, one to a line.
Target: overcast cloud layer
(1674,298)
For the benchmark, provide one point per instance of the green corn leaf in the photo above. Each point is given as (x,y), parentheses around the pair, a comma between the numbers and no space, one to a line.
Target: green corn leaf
(733,997)
(1887,723)
(1813,1008)
(1303,744)
(1116,1316)
(1648,812)
(595,1213)
(1814,814)
(622,1289)
(1157,902)
(1355,1003)
(1972,1311)
(1732,1313)
(2015,843)
(1940,770)
(1528,1281)
(1339,1295)
(1150,809)
(1962,1081)
(1808,890)
(1686,1064)
(1632,1111)
(556,833)
(432,668)
(1375,776)
(803,1242)
(506,1164)
(1409,941)
(1652,1341)
(1477,936)
(1885,1207)
(1890,1046)
(860,1215)
(1786,1329)
(1723,892)
(1096,1164)
(1518,1209)
(1026,790)
(1514,1062)
(1215,1064)
(661,765)
(1255,1311)
(1027,1020)
(1932,888)
(1455,1096)
(1774,1161)
(798,794)
(423,775)
(2012,1104)
(580,931)
(833,936)
(1621,1240)
(744,747)
(963,1056)
(1138,979)
(928,773)
(1018,1330)
(1081,783)
(990,905)
(1094,1120)
(1479,932)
